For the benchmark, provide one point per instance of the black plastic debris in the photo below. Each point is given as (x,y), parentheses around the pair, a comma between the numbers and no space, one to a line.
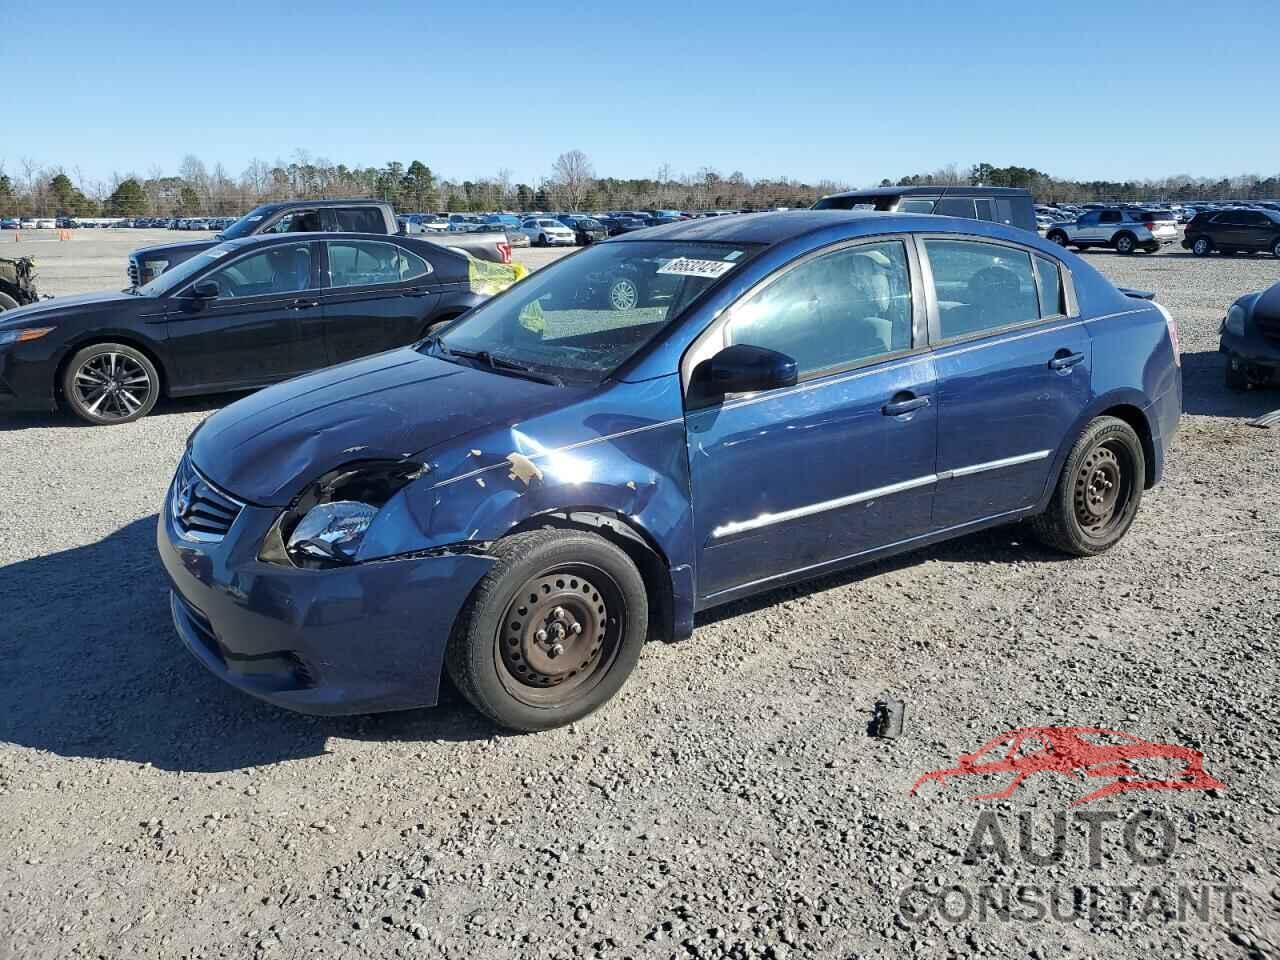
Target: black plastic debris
(886,720)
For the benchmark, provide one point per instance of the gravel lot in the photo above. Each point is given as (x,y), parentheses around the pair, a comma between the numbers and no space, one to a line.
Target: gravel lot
(727,804)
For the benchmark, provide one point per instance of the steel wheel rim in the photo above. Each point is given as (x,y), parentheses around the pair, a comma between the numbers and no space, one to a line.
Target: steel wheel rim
(1104,490)
(623,295)
(577,606)
(112,386)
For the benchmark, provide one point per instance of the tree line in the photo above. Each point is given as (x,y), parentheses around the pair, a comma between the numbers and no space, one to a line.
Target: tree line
(197,189)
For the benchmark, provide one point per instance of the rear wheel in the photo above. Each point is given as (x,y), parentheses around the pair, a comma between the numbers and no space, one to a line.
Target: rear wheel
(1275,249)
(1201,247)
(552,631)
(1098,492)
(110,383)
(1058,237)
(1125,243)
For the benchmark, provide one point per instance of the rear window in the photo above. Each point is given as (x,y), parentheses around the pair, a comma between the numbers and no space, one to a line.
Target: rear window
(360,220)
(1152,215)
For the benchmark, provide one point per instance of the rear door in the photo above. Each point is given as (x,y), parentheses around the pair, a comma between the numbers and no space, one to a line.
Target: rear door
(791,479)
(253,333)
(377,296)
(1013,367)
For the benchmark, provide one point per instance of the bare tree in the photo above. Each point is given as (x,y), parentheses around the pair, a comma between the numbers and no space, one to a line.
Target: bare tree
(573,176)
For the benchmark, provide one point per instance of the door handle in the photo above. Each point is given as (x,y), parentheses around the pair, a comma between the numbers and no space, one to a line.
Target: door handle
(896,408)
(302,304)
(1062,360)
(417,292)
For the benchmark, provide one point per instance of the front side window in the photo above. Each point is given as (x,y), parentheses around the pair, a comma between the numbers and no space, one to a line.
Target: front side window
(581,318)
(278,269)
(981,286)
(300,221)
(842,308)
(358,263)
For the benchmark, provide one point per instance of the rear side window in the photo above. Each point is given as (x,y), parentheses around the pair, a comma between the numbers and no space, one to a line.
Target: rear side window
(358,263)
(1109,216)
(846,307)
(985,208)
(981,286)
(1053,302)
(915,206)
(360,220)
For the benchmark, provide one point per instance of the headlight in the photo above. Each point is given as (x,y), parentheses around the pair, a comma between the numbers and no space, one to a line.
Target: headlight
(326,525)
(22,336)
(1235,320)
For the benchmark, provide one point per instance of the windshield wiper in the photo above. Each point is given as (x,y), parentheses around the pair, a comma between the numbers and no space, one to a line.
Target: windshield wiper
(502,364)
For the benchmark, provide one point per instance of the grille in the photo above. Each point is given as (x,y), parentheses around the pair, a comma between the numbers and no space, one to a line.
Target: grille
(200,510)
(133,272)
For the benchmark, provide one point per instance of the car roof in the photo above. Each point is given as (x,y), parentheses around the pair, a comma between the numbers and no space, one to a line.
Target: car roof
(938,190)
(353,202)
(773,228)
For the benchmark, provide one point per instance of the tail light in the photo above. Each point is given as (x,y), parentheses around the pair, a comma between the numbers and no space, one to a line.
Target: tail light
(504,249)
(1150,224)
(1173,334)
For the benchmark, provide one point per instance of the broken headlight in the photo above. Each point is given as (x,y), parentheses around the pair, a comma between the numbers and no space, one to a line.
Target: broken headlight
(326,525)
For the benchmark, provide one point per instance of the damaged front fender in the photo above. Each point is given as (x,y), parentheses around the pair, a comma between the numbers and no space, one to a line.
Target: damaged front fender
(594,456)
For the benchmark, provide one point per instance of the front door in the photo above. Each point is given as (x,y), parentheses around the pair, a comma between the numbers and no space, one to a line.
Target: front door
(252,333)
(790,480)
(378,296)
(1013,374)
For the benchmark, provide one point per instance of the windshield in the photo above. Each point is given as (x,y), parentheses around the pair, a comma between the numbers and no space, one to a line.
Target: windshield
(246,224)
(172,279)
(578,320)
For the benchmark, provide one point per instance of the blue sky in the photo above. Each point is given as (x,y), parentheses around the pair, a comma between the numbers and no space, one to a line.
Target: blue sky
(850,92)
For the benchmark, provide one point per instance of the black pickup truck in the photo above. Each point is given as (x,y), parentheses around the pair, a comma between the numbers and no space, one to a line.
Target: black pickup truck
(311,216)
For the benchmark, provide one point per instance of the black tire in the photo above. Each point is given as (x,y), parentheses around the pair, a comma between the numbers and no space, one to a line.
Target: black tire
(7,302)
(1275,249)
(1084,518)
(498,654)
(1058,237)
(1152,248)
(1125,243)
(108,383)
(1236,380)
(1202,246)
(542,240)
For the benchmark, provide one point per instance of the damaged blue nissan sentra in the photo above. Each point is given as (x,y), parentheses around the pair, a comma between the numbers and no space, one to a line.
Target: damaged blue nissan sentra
(658,424)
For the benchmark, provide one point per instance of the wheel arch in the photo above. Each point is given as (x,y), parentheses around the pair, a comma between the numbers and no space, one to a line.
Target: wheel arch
(635,542)
(140,344)
(1123,405)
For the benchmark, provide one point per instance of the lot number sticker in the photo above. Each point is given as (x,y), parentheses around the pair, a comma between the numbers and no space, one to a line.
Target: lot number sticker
(688,267)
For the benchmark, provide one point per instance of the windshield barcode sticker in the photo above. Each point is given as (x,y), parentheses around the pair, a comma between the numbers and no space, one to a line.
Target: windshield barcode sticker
(688,267)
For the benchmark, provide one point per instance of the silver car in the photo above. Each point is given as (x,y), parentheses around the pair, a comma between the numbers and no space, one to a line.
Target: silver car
(1122,229)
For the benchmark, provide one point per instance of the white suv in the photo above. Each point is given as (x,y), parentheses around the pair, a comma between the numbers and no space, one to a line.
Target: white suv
(545,232)
(1124,230)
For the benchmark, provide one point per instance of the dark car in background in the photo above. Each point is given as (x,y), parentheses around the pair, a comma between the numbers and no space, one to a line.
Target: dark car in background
(306,216)
(241,315)
(1234,231)
(585,229)
(524,499)
(1250,338)
(1008,205)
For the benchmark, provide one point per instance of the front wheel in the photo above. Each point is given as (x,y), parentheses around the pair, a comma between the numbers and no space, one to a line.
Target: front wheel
(1098,492)
(110,383)
(1275,250)
(7,302)
(551,632)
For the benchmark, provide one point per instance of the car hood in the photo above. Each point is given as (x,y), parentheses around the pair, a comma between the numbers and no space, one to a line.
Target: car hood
(190,248)
(1267,306)
(269,446)
(80,303)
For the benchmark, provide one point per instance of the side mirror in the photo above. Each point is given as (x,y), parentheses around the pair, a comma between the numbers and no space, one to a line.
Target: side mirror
(205,290)
(743,368)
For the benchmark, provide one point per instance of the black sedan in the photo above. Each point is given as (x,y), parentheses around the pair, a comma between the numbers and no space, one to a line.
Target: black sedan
(585,229)
(242,315)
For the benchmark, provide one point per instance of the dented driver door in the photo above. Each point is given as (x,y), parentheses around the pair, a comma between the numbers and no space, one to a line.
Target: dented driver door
(790,480)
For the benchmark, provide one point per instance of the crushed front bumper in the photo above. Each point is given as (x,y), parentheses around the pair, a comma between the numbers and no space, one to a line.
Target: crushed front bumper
(359,639)
(1258,357)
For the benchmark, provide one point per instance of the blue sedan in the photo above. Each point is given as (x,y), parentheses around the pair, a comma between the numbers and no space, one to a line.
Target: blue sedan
(662,423)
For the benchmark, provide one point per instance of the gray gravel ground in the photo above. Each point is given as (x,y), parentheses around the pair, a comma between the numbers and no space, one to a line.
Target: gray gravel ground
(727,804)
